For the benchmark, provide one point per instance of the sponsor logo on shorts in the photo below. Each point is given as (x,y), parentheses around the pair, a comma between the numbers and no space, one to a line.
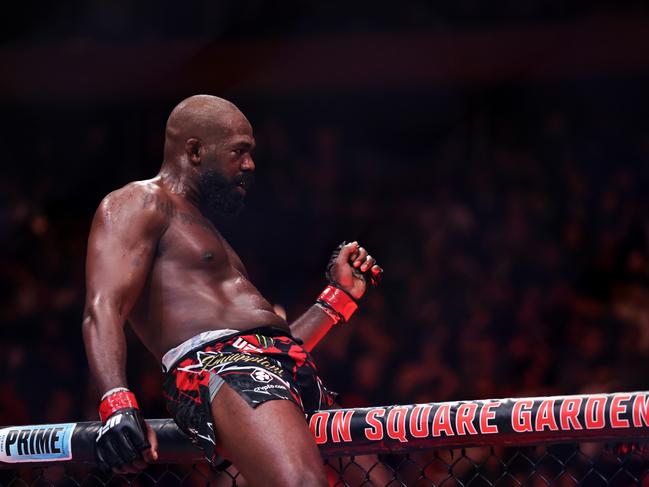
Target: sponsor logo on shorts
(209,361)
(38,443)
(245,346)
(260,375)
(267,387)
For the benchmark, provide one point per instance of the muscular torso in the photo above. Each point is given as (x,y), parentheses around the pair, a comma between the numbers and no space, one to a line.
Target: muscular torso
(196,282)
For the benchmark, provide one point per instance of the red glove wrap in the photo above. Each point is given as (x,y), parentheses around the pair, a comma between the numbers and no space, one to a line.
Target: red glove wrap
(341,302)
(115,402)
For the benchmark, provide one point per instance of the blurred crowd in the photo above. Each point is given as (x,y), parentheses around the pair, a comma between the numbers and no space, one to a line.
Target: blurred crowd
(510,223)
(231,19)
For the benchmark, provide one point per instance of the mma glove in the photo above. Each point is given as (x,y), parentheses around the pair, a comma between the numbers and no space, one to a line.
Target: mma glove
(336,301)
(123,435)
(374,279)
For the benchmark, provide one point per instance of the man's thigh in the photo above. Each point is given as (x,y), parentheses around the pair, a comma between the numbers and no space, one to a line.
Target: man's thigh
(270,444)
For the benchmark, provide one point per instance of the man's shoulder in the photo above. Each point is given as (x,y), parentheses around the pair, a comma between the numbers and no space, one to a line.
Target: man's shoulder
(144,192)
(137,201)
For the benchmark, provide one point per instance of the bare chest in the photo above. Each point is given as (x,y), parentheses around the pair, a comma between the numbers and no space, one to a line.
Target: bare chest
(192,241)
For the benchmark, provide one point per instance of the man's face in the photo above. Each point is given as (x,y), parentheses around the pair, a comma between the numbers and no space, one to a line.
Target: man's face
(228,170)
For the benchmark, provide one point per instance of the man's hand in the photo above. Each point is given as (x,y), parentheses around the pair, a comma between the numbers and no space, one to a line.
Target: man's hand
(125,442)
(350,267)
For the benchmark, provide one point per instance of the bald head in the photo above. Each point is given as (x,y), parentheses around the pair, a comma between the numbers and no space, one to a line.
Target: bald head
(208,153)
(204,117)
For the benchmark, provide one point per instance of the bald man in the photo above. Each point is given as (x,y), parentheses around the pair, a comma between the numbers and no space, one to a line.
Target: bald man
(238,378)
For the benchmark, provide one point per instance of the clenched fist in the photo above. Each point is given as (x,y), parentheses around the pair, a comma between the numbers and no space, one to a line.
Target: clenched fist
(350,267)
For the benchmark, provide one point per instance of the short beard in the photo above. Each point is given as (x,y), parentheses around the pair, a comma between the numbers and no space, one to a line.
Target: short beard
(219,198)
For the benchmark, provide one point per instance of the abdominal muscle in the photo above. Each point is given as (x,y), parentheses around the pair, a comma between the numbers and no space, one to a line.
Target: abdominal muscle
(168,313)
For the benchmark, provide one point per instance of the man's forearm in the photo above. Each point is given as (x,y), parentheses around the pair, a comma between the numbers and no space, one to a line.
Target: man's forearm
(348,268)
(312,326)
(103,336)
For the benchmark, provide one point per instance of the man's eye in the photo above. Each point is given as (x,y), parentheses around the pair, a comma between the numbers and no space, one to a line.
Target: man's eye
(238,151)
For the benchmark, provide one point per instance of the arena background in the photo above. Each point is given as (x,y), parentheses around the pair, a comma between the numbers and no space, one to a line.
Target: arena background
(492,155)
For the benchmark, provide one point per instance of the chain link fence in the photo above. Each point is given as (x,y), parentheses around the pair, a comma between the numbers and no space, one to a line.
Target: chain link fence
(583,464)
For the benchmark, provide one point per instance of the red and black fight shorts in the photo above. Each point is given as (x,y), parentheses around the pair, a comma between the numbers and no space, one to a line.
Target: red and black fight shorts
(261,364)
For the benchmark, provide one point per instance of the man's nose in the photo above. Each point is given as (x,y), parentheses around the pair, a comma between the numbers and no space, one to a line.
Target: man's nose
(248,164)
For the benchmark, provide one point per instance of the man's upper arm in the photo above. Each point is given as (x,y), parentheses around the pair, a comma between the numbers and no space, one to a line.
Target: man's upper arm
(121,247)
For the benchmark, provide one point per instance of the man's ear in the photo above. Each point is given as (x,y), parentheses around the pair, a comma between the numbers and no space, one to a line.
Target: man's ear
(193,150)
